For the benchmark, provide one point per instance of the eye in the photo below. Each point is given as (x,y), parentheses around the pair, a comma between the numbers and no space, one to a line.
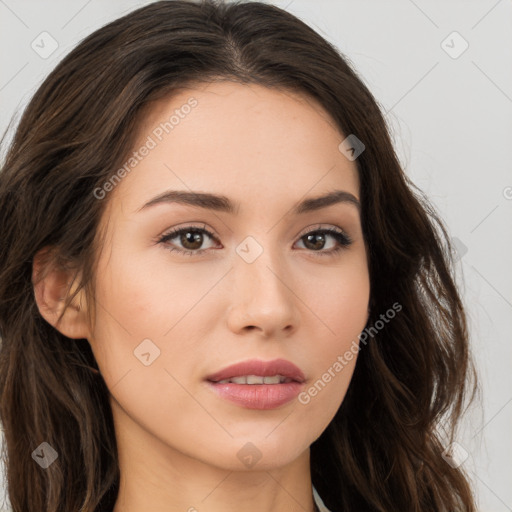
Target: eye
(191,239)
(317,239)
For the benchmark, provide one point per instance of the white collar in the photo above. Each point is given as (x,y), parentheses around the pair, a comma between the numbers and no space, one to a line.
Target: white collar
(319,502)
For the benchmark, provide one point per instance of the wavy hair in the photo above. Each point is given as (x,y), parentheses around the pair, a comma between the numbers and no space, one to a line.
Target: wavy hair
(383,449)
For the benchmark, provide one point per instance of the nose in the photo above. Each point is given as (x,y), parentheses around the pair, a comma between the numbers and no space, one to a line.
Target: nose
(263,297)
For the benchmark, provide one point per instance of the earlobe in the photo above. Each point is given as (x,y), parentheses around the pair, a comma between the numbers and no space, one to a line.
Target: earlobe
(51,287)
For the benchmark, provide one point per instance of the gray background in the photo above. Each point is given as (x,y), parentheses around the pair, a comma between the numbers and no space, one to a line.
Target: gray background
(451,116)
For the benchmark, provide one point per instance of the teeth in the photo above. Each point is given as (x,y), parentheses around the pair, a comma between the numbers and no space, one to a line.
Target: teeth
(256,379)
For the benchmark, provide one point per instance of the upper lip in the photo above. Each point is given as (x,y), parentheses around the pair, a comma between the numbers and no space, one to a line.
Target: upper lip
(259,367)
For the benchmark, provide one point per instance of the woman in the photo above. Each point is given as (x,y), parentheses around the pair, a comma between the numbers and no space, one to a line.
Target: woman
(218,289)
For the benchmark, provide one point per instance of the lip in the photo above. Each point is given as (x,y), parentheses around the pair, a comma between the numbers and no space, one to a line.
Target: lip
(258,396)
(260,367)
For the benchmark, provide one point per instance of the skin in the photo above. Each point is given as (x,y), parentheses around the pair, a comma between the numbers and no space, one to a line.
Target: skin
(178,441)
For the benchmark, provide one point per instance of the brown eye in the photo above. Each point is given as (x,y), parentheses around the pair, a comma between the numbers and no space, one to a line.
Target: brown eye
(316,241)
(187,240)
(191,240)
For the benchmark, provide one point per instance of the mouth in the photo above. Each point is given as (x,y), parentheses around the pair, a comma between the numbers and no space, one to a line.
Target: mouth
(257,371)
(258,384)
(256,379)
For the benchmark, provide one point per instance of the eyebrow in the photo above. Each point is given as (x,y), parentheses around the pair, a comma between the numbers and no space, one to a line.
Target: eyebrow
(221,203)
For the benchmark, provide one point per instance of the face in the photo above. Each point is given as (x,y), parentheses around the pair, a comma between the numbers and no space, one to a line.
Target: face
(189,285)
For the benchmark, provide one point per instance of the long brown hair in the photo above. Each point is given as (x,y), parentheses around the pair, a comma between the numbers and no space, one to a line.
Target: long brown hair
(383,449)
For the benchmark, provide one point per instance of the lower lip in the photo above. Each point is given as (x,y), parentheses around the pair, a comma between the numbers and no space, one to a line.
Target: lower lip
(258,396)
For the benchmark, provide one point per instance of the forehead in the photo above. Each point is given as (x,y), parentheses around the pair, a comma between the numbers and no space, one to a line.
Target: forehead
(245,139)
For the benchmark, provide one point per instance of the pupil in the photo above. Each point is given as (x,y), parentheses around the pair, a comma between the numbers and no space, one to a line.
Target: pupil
(192,237)
(319,236)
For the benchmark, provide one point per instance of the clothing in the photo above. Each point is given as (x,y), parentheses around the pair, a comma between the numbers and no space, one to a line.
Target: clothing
(318,501)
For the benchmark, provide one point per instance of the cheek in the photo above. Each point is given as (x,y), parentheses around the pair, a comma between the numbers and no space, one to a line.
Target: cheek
(342,311)
(342,303)
(148,295)
(149,298)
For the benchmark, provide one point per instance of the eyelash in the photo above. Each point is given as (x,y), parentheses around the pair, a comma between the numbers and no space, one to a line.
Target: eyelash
(343,240)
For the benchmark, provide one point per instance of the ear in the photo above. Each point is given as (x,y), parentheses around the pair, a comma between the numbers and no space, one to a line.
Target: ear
(52,285)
